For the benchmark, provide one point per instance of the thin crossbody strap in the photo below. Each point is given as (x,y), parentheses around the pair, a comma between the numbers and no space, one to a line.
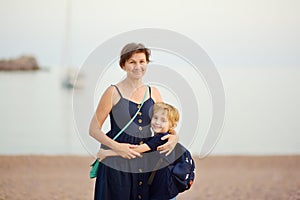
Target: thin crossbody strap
(131,120)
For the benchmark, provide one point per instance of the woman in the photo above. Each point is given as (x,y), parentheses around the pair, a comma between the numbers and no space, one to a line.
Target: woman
(112,182)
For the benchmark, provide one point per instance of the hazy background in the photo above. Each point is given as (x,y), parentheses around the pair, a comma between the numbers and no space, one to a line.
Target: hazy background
(255,46)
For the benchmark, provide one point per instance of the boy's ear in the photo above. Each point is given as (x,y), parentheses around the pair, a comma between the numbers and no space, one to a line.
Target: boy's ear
(174,125)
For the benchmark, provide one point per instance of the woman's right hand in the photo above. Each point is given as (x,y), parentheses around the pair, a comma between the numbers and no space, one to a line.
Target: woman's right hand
(126,150)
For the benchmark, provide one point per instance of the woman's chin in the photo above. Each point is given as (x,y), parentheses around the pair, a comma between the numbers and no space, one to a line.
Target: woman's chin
(138,75)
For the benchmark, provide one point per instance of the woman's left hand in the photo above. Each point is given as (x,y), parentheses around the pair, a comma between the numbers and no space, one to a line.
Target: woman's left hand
(169,145)
(101,154)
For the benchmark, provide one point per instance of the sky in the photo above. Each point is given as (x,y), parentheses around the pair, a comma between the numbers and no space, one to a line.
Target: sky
(249,33)
(261,104)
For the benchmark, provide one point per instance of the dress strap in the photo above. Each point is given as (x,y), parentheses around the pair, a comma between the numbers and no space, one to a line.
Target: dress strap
(149,90)
(118,91)
(121,94)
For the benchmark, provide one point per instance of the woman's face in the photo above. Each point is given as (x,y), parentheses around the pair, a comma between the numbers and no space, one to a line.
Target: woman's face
(136,65)
(160,122)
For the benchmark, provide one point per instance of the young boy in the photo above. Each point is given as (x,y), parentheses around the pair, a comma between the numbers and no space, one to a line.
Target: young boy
(164,119)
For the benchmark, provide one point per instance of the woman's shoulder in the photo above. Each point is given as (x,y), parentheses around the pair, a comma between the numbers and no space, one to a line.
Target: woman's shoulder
(155,94)
(110,90)
(112,94)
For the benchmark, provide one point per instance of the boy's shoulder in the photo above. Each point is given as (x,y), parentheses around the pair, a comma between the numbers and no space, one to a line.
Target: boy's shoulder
(160,135)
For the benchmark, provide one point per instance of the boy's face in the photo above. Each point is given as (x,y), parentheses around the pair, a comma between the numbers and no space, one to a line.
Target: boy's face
(160,122)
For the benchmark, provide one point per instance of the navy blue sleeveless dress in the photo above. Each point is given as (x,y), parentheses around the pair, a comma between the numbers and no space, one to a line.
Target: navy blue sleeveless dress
(119,178)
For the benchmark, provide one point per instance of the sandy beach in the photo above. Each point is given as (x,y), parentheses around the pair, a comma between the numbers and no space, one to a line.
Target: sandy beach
(217,177)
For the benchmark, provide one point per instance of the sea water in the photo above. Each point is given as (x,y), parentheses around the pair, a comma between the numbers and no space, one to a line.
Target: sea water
(262,113)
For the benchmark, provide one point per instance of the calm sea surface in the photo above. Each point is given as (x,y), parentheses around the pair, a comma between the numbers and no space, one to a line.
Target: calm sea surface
(262,113)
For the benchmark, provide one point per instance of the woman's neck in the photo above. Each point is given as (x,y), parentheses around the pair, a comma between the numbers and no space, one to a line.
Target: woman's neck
(132,84)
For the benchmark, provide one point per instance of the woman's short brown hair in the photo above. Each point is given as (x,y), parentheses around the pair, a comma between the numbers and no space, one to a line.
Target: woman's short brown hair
(131,48)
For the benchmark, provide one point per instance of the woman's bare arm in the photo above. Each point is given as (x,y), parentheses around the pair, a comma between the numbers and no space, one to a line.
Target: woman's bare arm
(169,145)
(95,130)
(104,153)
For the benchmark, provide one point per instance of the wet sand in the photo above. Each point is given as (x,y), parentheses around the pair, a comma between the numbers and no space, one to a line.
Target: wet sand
(217,177)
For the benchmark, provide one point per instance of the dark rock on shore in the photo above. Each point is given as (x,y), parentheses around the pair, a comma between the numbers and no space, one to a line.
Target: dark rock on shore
(21,63)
